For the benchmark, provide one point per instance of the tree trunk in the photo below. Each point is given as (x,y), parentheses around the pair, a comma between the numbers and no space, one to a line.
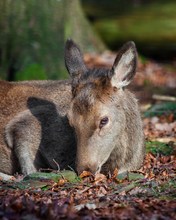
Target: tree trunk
(33,35)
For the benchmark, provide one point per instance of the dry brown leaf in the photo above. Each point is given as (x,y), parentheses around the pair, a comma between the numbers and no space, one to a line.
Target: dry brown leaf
(85,174)
(62,182)
(99,177)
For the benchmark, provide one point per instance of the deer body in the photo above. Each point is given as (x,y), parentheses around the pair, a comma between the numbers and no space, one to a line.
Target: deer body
(34,128)
(90,122)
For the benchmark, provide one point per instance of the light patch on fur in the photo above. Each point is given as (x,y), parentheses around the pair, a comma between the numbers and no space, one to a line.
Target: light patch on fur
(11,125)
(26,160)
(8,136)
(6,177)
(123,68)
(127,57)
(123,84)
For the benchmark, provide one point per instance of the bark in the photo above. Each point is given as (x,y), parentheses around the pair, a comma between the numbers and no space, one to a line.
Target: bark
(33,34)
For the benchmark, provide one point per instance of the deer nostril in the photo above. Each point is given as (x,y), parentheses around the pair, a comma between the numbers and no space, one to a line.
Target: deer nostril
(93,169)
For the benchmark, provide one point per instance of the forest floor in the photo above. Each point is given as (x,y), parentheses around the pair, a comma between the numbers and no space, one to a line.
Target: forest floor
(149,193)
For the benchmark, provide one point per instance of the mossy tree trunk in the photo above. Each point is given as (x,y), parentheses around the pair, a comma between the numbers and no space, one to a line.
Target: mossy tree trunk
(79,28)
(33,35)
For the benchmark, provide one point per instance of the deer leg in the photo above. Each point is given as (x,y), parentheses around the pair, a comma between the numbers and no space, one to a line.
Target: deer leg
(6,177)
(23,136)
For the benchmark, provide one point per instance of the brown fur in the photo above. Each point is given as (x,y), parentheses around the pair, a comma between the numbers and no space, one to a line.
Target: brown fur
(34,128)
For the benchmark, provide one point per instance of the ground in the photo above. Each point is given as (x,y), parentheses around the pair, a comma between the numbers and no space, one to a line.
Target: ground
(149,193)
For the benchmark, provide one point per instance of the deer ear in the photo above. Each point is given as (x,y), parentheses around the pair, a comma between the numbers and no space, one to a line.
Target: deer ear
(74,59)
(124,66)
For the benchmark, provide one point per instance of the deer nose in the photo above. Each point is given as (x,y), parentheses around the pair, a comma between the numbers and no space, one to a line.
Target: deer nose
(91,168)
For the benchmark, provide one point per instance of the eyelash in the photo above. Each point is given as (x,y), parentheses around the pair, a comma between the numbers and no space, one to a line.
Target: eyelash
(103,122)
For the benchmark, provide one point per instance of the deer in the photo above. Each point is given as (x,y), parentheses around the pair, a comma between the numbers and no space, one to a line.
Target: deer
(90,121)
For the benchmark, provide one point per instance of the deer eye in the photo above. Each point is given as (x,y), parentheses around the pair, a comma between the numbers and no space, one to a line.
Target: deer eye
(103,122)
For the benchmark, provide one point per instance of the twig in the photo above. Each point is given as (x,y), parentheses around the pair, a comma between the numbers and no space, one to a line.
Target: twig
(164,98)
(58,167)
(71,169)
(46,169)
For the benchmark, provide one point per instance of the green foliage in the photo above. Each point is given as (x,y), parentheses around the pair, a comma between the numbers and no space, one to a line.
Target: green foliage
(42,180)
(163,190)
(152,25)
(143,59)
(160,109)
(32,72)
(125,188)
(65,174)
(35,184)
(156,147)
(130,176)
(33,35)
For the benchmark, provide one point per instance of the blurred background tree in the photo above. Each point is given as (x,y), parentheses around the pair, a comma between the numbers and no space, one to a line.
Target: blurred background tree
(33,33)
(150,23)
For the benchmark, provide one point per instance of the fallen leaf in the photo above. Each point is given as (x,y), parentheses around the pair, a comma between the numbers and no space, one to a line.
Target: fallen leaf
(135,176)
(99,178)
(85,174)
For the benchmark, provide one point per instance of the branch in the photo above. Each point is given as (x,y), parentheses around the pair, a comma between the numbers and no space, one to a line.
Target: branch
(164,98)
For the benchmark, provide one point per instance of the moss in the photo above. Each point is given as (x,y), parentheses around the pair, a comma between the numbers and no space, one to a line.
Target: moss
(156,147)
(32,72)
(165,108)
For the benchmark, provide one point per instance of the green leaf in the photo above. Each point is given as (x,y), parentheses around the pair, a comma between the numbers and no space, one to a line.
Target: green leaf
(126,188)
(32,184)
(156,147)
(65,174)
(135,176)
(27,184)
(130,176)
(122,176)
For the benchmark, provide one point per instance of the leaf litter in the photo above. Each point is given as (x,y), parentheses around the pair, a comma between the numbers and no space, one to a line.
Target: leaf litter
(149,193)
